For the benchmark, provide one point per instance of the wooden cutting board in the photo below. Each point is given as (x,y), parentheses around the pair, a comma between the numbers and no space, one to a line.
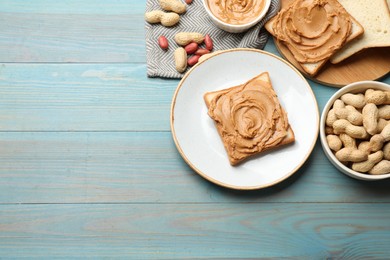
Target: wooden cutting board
(370,64)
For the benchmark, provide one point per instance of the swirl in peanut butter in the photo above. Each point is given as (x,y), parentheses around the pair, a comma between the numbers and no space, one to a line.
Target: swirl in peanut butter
(236,11)
(313,29)
(250,118)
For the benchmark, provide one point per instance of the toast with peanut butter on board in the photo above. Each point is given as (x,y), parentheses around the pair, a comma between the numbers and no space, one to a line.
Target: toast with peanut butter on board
(313,31)
(249,118)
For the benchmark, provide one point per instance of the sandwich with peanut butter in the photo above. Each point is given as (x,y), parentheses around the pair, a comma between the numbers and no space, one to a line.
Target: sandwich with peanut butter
(313,31)
(249,118)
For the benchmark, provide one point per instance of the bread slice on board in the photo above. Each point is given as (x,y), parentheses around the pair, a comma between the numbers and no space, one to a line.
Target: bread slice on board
(312,68)
(260,81)
(374,16)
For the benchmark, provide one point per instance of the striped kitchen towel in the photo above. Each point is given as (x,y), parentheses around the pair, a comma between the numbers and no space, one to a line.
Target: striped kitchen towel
(160,63)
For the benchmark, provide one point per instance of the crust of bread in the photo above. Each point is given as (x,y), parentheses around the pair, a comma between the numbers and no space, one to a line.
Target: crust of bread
(374,16)
(313,68)
(289,138)
(309,68)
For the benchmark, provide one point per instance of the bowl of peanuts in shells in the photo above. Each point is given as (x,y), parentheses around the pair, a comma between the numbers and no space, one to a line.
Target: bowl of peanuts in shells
(355,130)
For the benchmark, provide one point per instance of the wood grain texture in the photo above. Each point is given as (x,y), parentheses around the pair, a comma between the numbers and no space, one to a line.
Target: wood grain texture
(87,97)
(97,7)
(145,167)
(91,97)
(370,64)
(88,167)
(70,31)
(350,231)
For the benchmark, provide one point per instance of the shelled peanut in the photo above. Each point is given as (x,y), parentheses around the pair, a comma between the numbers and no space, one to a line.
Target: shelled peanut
(189,49)
(358,131)
(191,42)
(163,42)
(188,52)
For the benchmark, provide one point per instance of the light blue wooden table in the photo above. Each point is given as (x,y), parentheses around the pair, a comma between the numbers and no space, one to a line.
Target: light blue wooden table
(88,167)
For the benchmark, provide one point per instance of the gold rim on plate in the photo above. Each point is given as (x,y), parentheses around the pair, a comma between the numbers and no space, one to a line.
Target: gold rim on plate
(256,187)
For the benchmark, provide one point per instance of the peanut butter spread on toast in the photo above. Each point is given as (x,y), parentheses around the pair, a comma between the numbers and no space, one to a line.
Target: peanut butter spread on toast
(249,118)
(313,29)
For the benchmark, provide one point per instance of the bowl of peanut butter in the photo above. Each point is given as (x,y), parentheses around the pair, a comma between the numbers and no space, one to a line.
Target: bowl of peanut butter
(236,16)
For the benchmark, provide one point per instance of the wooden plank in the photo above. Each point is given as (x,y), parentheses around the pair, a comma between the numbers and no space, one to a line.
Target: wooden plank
(304,231)
(145,167)
(90,97)
(369,64)
(86,97)
(70,31)
(74,7)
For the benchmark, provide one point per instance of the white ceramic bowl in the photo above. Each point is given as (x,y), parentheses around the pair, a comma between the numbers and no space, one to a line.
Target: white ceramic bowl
(357,87)
(232,28)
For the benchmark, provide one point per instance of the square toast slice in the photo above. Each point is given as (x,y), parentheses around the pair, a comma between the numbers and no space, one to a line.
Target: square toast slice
(312,68)
(249,118)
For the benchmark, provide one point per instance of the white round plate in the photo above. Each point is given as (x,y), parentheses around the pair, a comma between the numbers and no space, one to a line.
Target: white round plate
(196,136)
